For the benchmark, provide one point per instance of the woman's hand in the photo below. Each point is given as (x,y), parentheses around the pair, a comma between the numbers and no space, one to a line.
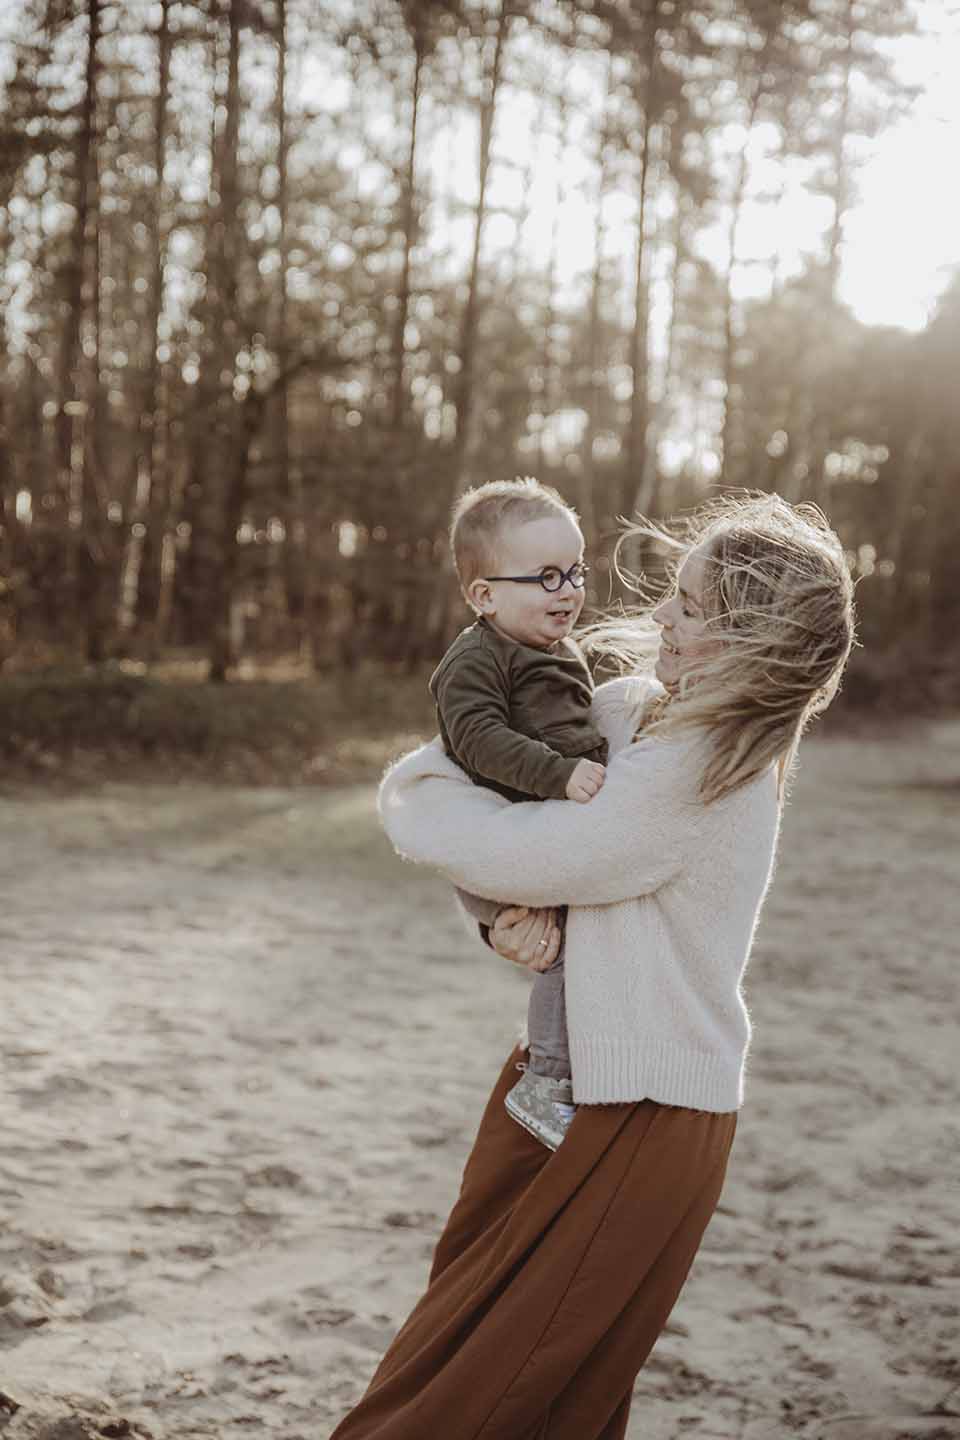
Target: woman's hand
(527,937)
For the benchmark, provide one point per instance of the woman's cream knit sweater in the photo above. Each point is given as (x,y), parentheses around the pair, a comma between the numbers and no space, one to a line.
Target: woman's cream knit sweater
(664,895)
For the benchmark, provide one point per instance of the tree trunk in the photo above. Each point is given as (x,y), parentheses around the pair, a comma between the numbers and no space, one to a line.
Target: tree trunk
(151,503)
(289,482)
(515,264)
(779,228)
(944,596)
(9,535)
(409,221)
(841,179)
(588,464)
(232,476)
(463,398)
(73,468)
(443,602)
(99,570)
(822,428)
(545,398)
(632,496)
(662,488)
(187,599)
(727,474)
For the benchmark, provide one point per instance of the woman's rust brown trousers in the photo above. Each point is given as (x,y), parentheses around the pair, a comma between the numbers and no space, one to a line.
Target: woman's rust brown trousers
(553,1278)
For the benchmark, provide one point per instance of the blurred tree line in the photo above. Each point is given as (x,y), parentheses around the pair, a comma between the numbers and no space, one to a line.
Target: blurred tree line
(269,301)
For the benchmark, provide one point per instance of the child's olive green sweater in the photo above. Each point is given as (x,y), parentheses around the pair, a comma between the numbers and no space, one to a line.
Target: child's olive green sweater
(513,717)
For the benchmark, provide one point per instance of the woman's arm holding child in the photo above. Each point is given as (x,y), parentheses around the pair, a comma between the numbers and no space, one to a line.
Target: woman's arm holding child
(630,839)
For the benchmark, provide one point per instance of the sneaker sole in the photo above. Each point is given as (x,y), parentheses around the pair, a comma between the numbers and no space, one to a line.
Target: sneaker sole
(522,1120)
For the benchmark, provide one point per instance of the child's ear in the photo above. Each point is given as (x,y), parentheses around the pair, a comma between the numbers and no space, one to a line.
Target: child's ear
(479,597)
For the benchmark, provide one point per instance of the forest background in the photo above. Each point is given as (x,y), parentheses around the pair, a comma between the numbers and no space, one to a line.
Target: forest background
(279,280)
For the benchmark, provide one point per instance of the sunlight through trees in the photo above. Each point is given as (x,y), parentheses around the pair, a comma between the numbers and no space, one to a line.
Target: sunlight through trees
(278,280)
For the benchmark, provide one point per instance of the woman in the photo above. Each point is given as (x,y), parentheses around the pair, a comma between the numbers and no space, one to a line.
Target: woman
(557,1271)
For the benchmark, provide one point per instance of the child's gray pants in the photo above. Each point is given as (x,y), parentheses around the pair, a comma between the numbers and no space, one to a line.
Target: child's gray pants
(547,1023)
(547,1011)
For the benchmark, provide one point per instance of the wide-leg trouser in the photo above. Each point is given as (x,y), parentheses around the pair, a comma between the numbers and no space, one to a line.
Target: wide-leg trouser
(553,1277)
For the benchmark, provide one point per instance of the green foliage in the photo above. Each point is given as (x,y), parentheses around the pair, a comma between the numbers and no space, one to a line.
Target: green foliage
(108,723)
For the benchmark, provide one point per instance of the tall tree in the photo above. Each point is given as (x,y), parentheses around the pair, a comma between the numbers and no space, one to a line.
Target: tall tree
(420,23)
(663,39)
(493,45)
(595,348)
(758,71)
(81,296)
(289,480)
(232,446)
(648,94)
(150,529)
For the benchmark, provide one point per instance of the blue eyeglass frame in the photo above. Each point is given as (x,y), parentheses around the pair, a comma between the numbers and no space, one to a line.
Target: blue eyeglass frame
(565,575)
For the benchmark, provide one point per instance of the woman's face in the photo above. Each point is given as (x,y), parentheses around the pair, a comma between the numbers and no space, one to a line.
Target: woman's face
(684,636)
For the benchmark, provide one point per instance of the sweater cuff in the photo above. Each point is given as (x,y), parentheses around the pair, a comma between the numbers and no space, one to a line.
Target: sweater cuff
(557,778)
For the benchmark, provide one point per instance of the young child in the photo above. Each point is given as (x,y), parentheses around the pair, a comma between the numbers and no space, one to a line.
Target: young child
(513,699)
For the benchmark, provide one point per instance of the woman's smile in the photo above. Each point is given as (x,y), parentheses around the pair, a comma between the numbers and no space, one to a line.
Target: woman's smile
(682,615)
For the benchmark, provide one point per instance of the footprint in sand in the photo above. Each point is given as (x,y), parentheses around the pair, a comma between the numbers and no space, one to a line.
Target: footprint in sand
(200,1251)
(224,1189)
(326,1315)
(410,1219)
(277,1177)
(103,1311)
(51,1283)
(296,1317)
(24,1305)
(435,1140)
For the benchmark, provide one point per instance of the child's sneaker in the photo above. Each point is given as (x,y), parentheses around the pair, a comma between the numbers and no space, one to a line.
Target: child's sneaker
(543,1106)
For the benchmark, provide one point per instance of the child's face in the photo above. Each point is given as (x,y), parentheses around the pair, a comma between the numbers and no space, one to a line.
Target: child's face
(528,613)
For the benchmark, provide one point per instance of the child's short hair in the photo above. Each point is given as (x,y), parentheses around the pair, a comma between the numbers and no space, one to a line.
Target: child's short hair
(480,516)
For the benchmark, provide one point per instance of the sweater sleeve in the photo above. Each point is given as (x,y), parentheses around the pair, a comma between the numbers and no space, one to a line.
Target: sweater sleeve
(623,702)
(484,911)
(476,927)
(631,839)
(471,695)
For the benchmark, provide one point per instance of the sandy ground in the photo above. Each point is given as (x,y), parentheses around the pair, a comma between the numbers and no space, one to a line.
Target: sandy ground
(245,1050)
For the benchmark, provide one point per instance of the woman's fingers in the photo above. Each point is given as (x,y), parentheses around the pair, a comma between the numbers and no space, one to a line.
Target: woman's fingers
(548,948)
(503,935)
(532,938)
(511,914)
(525,939)
(510,936)
(537,938)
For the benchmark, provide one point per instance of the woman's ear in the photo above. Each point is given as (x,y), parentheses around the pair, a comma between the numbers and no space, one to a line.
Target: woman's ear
(479,597)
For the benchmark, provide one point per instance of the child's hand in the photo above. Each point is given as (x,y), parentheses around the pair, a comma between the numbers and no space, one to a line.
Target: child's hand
(585,782)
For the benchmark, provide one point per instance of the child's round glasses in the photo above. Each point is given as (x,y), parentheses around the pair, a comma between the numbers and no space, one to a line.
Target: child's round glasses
(551,577)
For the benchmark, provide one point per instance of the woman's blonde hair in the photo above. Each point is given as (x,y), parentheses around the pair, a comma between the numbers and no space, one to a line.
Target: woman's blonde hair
(779,595)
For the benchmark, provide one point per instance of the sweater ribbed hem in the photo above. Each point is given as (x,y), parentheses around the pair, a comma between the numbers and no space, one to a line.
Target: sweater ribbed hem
(610,1071)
